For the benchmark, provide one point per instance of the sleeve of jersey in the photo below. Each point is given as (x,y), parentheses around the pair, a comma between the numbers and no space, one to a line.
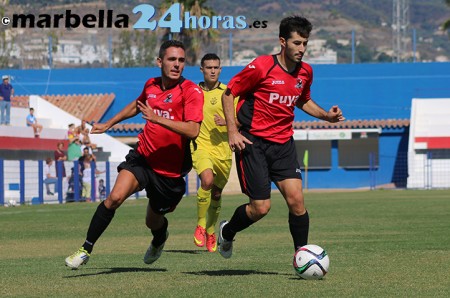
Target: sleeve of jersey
(246,79)
(306,94)
(193,103)
(142,96)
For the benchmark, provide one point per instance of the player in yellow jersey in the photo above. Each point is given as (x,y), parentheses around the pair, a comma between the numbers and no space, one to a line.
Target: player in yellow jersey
(211,154)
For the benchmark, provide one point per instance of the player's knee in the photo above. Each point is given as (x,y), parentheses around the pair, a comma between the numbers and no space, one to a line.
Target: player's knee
(207,183)
(260,211)
(113,201)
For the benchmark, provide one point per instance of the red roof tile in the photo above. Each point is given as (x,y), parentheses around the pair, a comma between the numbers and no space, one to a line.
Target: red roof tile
(348,124)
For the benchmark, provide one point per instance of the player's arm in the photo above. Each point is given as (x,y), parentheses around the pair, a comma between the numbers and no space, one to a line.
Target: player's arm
(189,129)
(312,108)
(129,111)
(235,139)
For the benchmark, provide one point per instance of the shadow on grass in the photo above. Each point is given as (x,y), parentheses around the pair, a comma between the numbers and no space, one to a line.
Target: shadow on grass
(190,252)
(233,272)
(115,270)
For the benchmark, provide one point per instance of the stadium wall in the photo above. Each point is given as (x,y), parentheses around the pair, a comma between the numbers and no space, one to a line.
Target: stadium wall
(363,91)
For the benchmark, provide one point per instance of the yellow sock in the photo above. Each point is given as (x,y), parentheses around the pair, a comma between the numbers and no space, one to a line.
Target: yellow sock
(203,200)
(213,215)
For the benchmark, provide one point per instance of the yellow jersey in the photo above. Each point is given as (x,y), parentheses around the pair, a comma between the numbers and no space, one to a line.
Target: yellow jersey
(212,137)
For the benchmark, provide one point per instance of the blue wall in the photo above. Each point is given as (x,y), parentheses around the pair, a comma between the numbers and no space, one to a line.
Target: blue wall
(363,91)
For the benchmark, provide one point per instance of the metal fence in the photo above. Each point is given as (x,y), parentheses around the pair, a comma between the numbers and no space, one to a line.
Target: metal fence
(22,181)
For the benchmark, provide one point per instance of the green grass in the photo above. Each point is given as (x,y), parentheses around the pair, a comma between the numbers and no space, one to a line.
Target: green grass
(380,243)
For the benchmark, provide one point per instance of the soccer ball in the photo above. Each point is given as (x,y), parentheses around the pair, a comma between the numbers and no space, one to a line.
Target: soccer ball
(12,203)
(311,262)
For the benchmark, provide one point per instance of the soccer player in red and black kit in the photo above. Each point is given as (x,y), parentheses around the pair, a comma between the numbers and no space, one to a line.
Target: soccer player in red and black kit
(172,107)
(270,88)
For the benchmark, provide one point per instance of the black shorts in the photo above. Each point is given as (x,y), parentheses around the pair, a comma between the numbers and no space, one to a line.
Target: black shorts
(164,193)
(265,161)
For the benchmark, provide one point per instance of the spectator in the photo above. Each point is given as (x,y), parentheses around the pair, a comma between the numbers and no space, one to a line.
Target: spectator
(86,140)
(87,179)
(32,121)
(102,189)
(49,177)
(60,155)
(82,159)
(74,150)
(71,132)
(6,93)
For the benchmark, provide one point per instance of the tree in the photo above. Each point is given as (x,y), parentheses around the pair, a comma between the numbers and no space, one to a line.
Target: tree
(136,48)
(194,39)
(446,25)
(6,39)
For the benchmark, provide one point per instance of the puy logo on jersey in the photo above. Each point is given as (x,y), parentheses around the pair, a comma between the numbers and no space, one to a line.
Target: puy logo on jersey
(288,100)
(299,84)
(151,95)
(168,98)
(165,114)
(251,66)
(213,100)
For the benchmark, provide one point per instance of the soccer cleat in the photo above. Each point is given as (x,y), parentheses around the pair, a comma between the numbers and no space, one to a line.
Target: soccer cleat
(153,253)
(211,244)
(225,246)
(80,257)
(199,236)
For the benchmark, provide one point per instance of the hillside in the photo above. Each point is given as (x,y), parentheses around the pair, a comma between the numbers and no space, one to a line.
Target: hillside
(333,20)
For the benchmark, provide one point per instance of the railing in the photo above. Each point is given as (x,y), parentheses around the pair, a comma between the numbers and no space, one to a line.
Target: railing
(22,182)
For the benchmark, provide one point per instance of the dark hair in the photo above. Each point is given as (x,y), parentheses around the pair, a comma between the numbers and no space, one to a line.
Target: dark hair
(48,160)
(31,109)
(209,56)
(295,24)
(167,44)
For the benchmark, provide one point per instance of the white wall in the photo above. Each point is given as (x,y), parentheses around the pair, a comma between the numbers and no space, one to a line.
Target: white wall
(430,117)
(60,119)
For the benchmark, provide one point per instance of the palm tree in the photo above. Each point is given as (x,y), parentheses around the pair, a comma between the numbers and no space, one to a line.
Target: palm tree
(194,39)
(446,25)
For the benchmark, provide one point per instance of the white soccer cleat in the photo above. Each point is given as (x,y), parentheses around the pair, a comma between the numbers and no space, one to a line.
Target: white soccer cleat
(77,259)
(153,253)
(225,246)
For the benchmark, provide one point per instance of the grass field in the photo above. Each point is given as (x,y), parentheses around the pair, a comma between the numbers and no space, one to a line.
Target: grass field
(380,243)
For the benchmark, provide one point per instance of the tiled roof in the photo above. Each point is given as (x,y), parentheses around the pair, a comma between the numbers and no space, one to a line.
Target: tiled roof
(89,107)
(348,124)
(21,101)
(359,123)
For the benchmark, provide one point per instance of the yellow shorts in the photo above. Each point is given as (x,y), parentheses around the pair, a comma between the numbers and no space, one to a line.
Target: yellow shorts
(202,160)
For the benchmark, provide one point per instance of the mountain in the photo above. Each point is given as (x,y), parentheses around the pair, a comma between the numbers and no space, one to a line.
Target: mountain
(334,21)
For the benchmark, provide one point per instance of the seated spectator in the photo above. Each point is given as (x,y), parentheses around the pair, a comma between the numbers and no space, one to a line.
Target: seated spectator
(86,140)
(49,176)
(71,131)
(32,121)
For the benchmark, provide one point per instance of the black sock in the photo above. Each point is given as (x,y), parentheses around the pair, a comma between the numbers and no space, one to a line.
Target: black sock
(299,227)
(100,221)
(238,222)
(159,236)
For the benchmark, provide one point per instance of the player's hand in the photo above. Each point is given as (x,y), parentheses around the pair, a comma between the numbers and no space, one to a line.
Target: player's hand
(219,120)
(147,111)
(237,141)
(99,128)
(335,115)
